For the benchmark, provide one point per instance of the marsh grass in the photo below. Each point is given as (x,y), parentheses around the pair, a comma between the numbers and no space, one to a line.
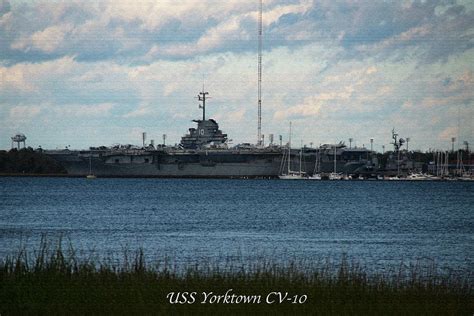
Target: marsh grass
(55,279)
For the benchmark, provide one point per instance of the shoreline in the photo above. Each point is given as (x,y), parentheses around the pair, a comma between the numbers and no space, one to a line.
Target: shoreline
(52,175)
(60,175)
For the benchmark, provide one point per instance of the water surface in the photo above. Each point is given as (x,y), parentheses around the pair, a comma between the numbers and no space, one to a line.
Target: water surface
(377,223)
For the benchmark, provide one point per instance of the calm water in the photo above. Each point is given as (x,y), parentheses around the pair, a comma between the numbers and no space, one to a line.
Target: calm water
(376,223)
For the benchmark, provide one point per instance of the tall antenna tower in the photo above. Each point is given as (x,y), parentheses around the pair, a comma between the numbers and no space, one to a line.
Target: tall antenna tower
(259,136)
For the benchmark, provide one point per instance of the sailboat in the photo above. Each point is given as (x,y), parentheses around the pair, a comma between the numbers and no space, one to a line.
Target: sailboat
(317,166)
(334,175)
(292,175)
(90,175)
(417,177)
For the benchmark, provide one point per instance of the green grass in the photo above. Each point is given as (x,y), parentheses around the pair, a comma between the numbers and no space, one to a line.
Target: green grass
(53,280)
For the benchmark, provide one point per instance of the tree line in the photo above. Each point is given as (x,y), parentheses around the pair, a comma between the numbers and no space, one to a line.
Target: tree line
(28,160)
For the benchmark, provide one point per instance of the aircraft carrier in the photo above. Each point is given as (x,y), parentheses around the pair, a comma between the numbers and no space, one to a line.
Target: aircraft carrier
(204,153)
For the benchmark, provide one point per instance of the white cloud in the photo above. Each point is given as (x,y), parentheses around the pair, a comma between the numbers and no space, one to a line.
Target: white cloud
(154,15)
(235,117)
(47,40)
(74,111)
(229,29)
(29,77)
(24,112)
(14,78)
(448,133)
(311,107)
(357,65)
(142,110)
(413,34)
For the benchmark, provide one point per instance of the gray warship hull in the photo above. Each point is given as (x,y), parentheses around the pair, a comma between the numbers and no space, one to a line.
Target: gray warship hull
(200,164)
(255,163)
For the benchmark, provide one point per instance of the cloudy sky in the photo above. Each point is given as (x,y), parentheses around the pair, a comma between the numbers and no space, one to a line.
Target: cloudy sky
(84,73)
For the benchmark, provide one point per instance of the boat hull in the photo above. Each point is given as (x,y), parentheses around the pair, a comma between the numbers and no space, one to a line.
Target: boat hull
(219,163)
(179,165)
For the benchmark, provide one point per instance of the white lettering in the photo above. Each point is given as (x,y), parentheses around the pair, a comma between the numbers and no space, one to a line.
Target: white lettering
(206,295)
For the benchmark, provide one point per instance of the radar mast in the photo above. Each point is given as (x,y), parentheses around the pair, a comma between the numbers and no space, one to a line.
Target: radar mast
(202,98)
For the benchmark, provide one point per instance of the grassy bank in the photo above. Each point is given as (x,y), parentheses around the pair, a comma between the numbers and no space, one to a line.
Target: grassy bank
(57,282)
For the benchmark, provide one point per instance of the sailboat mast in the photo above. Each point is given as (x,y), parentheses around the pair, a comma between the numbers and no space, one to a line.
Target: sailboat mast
(437,163)
(318,162)
(334,158)
(315,164)
(457,163)
(447,164)
(289,151)
(301,155)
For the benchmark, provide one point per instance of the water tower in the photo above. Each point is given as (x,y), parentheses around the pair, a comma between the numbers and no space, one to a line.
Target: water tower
(18,139)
